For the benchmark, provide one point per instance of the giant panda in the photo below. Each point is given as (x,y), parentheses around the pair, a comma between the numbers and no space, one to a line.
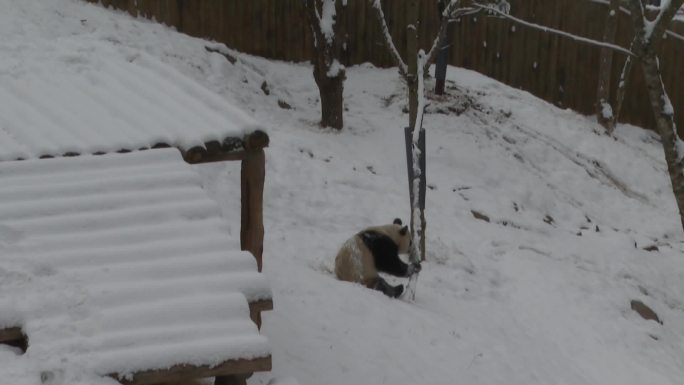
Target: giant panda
(376,249)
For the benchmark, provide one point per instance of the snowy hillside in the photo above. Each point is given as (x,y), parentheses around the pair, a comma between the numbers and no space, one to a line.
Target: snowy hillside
(537,294)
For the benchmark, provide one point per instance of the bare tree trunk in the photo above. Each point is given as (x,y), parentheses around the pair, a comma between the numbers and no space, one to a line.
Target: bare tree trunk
(328,72)
(331,90)
(442,53)
(604,113)
(647,37)
(412,71)
(664,116)
(412,59)
(412,8)
(622,87)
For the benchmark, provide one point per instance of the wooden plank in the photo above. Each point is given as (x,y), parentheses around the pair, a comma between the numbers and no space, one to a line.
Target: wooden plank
(183,372)
(198,155)
(203,157)
(230,380)
(531,75)
(193,156)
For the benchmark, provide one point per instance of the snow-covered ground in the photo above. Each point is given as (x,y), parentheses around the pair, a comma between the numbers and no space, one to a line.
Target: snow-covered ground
(539,294)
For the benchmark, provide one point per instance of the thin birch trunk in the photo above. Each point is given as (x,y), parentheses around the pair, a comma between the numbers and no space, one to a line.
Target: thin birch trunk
(647,36)
(622,87)
(412,60)
(604,113)
(664,114)
(416,95)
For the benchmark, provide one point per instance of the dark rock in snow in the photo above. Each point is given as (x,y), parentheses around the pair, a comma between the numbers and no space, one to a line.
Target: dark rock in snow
(651,248)
(644,311)
(265,88)
(284,105)
(480,216)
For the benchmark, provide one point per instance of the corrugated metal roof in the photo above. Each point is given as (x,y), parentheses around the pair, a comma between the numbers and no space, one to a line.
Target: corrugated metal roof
(120,263)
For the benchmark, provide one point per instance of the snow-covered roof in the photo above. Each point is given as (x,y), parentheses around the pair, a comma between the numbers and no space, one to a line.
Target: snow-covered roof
(120,263)
(70,90)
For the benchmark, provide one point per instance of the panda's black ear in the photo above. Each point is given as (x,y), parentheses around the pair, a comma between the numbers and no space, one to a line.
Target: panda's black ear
(397,221)
(403,231)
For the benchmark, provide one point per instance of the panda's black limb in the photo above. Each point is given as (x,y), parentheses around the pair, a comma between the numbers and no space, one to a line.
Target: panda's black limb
(385,253)
(389,290)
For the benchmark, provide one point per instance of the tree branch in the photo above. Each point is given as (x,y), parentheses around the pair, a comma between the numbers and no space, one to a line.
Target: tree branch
(604,112)
(441,35)
(636,11)
(663,19)
(555,31)
(622,87)
(389,43)
(314,21)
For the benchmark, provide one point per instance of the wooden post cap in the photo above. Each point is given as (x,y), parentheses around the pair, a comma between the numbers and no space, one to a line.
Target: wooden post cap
(256,140)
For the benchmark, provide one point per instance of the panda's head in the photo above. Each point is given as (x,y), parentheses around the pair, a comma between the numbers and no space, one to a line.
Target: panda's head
(401,236)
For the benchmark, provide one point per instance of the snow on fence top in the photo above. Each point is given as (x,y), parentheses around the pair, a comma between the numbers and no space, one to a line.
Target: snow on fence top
(69,91)
(120,263)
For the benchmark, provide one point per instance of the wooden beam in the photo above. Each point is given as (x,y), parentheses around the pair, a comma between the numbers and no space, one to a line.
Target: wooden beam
(208,157)
(230,149)
(231,380)
(261,305)
(183,372)
(252,187)
(255,309)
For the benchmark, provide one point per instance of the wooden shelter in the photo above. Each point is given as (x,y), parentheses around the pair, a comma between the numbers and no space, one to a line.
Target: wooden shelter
(125,268)
(123,264)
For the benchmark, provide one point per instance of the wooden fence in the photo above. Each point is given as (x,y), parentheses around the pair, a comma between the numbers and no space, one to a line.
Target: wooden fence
(554,68)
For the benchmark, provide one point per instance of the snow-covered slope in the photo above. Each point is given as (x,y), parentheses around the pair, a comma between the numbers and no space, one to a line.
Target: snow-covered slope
(68,87)
(538,295)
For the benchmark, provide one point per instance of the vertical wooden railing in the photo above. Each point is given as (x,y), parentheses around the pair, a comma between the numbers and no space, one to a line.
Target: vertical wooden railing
(252,178)
(253,174)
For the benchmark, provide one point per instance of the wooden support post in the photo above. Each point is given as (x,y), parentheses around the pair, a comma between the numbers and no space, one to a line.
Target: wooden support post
(255,309)
(252,182)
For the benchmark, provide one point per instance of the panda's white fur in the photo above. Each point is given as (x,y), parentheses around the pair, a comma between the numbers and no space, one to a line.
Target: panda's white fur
(356,263)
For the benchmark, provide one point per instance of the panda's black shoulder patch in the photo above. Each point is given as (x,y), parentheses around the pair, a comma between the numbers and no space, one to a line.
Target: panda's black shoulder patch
(384,251)
(378,243)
